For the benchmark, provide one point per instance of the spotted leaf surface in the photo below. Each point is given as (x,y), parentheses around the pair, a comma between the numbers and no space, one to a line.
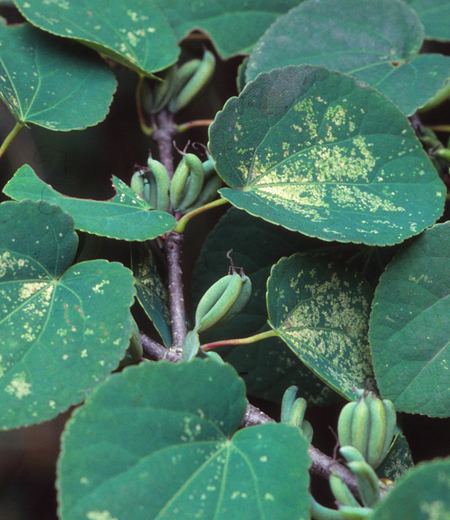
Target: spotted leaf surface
(124,217)
(268,367)
(422,494)
(317,152)
(51,84)
(180,439)
(398,460)
(409,326)
(151,291)
(435,17)
(58,339)
(379,45)
(321,311)
(134,33)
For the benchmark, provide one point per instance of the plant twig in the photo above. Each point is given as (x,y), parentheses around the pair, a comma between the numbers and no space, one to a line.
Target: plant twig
(192,124)
(164,136)
(173,249)
(240,341)
(181,224)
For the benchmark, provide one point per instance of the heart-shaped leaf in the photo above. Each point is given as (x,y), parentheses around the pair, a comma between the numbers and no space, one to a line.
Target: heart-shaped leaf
(124,217)
(58,339)
(435,17)
(321,310)
(134,32)
(421,494)
(379,45)
(320,153)
(151,291)
(158,441)
(409,327)
(50,83)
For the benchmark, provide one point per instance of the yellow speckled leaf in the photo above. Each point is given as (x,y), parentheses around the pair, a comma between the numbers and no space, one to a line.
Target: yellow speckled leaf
(58,338)
(317,152)
(321,310)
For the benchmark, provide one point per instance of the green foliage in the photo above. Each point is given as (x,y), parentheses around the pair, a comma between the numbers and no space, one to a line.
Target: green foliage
(324,170)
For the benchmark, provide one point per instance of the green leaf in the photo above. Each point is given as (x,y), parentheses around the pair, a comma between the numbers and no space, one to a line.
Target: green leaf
(435,17)
(378,45)
(409,327)
(321,311)
(422,494)
(268,367)
(317,152)
(125,217)
(52,84)
(134,33)
(171,451)
(58,339)
(398,460)
(151,291)
(233,25)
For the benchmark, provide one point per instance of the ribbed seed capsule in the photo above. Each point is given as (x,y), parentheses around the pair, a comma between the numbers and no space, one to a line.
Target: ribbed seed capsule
(159,181)
(217,301)
(137,183)
(187,182)
(368,424)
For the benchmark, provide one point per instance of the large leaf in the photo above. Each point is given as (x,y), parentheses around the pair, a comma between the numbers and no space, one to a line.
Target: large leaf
(158,441)
(268,367)
(320,153)
(422,494)
(152,293)
(62,329)
(398,460)
(435,16)
(125,217)
(134,32)
(321,310)
(378,44)
(50,83)
(409,326)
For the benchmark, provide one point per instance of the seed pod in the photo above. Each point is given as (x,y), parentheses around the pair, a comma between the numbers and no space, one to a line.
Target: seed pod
(137,183)
(187,182)
(241,301)
(368,424)
(159,182)
(163,90)
(195,84)
(217,301)
(368,485)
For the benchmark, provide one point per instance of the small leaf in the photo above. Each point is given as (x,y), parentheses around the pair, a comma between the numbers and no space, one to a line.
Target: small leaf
(321,311)
(172,451)
(52,84)
(435,17)
(379,45)
(124,217)
(398,460)
(317,152)
(134,33)
(152,293)
(421,494)
(409,327)
(62,329)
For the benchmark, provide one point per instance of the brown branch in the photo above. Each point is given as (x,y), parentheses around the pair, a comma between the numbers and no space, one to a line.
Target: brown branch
(173,249)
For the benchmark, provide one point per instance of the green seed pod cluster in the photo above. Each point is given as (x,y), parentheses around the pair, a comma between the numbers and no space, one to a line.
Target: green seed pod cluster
(368,424)
(177,85)
(223,301)
(194,183)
